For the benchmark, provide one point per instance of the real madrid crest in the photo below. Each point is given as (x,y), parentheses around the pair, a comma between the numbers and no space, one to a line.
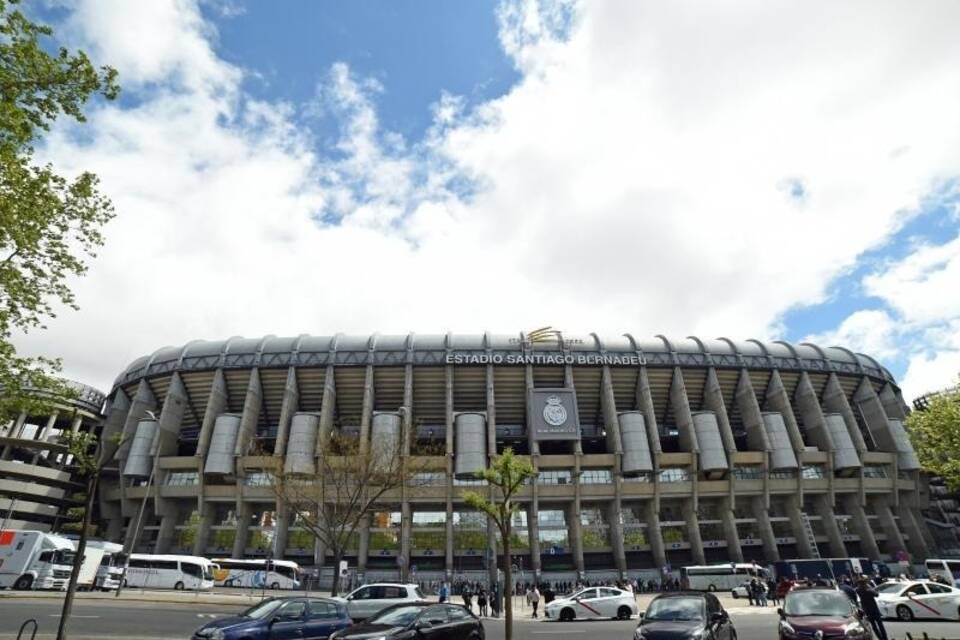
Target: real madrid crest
(554,413)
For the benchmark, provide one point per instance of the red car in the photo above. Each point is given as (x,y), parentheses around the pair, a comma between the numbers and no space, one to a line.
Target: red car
(806,611)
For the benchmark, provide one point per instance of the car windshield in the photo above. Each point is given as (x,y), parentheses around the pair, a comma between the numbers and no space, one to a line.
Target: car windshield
(817,603)
(262,610)
(674,608)
(399,617)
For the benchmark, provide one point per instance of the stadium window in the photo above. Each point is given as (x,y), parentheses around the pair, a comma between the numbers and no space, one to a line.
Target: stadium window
(183,479)
(752,472)
(674,474)
(813,472)
(595,476)
(874,471)
(783,474)
(561,476)
(257,479)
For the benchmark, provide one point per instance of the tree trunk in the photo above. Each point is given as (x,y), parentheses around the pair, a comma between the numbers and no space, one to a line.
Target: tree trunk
(334,590)
(78,559)
(507,588)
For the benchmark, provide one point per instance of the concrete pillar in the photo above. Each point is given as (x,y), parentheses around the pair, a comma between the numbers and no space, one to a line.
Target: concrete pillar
(917,545)
(681,413)
(808,406)
(328,405)
(835,401)
(576,535)
(203,530)
(834,538)
(779,400)
(655,535)
(492,532)
(615,520)
(406,523)
(252,404)
(888,524)
(165,534)
(868,542)
(75,425)
(366,411)
(48,427)
(770,550)
(693,532)
(216,404)
(282,531)
(409,429)
(533,520)
(289,406)
(608,405)
(795,510)
(449,453)
(244,513)
(734,550)
(645,403)
(143,401)
(892,403)
(363,544)
(171,417)
(713,400)
(750,412)
(533,531)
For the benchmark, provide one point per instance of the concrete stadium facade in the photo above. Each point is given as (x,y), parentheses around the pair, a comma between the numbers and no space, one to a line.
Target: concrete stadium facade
(650,452)
(38,482)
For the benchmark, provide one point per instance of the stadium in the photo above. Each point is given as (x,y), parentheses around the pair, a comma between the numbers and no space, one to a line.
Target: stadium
(651,453)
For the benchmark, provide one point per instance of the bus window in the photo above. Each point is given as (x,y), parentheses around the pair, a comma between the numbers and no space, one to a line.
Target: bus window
(954,567)
(191,569)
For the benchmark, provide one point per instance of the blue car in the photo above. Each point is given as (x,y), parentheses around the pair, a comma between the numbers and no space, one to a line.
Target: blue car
(280,619)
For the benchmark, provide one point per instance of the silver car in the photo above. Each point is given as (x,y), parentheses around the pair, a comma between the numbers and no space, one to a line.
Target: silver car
(370,599)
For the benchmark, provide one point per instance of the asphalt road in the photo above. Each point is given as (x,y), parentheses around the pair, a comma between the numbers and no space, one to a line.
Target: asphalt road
(145,621)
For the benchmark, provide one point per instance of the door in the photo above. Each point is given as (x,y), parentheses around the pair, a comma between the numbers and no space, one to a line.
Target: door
(289,621)
(462,624)
(941,600)
(722,627)
(391,595)
(434,624)
(587,604)
(322,620)
(608,601)
(915,596)
(363,602)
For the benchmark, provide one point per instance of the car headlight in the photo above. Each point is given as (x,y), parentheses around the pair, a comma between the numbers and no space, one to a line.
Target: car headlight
(787,630)
(854,630)
(216,635)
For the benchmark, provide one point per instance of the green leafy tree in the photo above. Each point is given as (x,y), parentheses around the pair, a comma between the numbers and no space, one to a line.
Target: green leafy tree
(506,475)
(49,224)
(935,432)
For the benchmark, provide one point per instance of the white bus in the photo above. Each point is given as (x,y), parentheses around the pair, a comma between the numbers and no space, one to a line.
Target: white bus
(282,574)
(949,569)
(148,571)
(720,577)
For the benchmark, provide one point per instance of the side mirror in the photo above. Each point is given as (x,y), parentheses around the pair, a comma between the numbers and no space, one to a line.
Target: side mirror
(274,620)
(423,624)
(716,618)
(640,616)
(780,612)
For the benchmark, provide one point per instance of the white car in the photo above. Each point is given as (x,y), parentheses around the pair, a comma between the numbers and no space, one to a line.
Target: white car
(918,599)
(741,590)
(594,602)
(370,599)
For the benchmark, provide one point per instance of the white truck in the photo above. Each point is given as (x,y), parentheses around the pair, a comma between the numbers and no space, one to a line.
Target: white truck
(112,564)
(35,560)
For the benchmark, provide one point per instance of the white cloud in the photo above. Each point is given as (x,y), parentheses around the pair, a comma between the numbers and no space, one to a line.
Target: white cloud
(632,180)
(870,331)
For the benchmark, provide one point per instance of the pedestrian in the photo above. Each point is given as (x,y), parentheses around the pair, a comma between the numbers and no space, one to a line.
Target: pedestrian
(482,602)
(772,592)
(533,599)
(847,587)
(466,598)
(444,592)
(495,600)
(751,591)
(868,603)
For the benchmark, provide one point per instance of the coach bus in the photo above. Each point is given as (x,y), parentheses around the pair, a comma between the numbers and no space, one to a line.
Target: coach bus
(720,577)
(280,574)
(148,571)
(948,569)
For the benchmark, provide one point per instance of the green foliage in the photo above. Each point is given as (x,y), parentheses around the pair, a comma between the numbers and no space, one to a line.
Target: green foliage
(634,538)
(594,539)
(935,433)
(506,475)
(300,539)
(380,540)
(223,539)
(49,224)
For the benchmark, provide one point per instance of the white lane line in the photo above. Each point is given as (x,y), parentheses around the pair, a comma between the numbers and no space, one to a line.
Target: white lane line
(556,632)
(72,615)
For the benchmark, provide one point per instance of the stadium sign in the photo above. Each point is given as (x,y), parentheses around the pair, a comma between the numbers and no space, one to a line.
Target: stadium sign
(594,359)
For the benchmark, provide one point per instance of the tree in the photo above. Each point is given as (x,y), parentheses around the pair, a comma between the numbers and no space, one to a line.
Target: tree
(506,475)
(350,482)
(89,460)
(49,224)
(935,432)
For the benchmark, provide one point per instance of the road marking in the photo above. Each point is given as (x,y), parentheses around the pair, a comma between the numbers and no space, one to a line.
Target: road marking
(209,615)
(72,615)
(556,632)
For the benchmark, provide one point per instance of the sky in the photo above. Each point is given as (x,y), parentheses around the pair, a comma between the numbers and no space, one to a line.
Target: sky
(749,169)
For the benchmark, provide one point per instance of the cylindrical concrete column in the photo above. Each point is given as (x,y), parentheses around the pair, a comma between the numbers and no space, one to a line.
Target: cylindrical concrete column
(845,454)
(713,457)
(633,439)
(139,461)
(220,455)
(302,444)
(385,443)
(782,455)
(471,444)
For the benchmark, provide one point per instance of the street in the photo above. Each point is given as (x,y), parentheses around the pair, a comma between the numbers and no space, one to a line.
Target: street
(147,621)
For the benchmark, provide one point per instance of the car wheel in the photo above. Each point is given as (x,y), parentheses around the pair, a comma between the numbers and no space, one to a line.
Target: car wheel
(712,588)
(735,596)
(23,583)
(178,586)
(904,613)
(275,586)
(567,615)
(124,583)
(623,613)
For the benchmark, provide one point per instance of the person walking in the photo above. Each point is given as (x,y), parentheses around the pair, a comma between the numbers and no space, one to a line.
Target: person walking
(533,599)
(751,591)
(482,602)
(444,592)
(772,592)
(467,598)
(868,603)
